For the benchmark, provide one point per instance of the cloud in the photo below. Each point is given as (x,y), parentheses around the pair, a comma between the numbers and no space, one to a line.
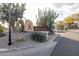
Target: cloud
(60,5)
(63,9)
(67,9)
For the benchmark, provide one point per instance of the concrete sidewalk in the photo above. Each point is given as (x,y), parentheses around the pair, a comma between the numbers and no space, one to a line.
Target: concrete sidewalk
(28,48)
(33,51)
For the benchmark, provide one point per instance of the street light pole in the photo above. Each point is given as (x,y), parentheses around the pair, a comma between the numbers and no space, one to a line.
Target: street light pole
(9,11)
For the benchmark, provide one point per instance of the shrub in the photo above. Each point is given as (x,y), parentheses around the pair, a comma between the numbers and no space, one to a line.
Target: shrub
(2,34)
(61,27)
(65,28)
(1,31)
(39,37)
(1,28)
(19,39)
(74,27)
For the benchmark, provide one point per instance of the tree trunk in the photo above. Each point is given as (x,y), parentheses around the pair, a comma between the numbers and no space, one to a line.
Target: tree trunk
(50,31)
(13,25)
(22,25)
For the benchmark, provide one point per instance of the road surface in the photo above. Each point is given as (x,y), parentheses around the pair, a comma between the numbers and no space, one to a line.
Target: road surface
(68,44)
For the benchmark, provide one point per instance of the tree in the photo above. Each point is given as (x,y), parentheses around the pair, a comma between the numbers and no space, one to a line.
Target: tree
(60,25)
(69,20)
(75,16)
(11,12)
(46,18)
(17,11)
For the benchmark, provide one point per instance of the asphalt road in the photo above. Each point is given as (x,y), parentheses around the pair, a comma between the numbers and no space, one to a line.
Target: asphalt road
(68,44)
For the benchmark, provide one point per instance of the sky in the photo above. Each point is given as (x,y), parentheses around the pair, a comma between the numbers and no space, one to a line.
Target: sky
(63,9)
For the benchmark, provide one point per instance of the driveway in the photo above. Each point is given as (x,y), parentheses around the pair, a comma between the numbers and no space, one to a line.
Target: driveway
(68,44)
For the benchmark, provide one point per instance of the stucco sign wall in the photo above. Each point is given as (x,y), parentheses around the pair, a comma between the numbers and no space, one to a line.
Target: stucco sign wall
(28,25)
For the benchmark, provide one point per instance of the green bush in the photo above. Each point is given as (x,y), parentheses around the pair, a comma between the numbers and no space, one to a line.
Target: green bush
(65,28)
(1,31)
(74,27)
(39,37)
(61,27)
(1,28)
